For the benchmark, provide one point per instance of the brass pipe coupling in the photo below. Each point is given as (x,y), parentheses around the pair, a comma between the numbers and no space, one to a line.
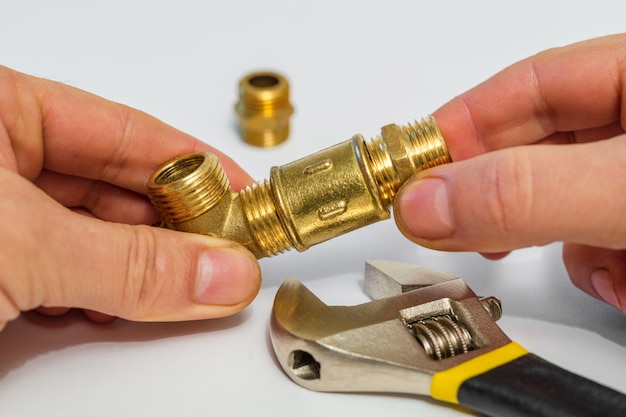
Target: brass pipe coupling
(263,110)
(305,202)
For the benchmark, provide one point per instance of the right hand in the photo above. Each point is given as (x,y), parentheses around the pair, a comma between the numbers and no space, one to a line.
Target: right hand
(501,194)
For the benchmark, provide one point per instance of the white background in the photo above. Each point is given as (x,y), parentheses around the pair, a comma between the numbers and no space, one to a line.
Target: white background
(353,68)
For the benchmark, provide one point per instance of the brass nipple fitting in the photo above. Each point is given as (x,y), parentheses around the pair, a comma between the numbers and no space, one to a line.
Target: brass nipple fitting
(305,202)
(264,109)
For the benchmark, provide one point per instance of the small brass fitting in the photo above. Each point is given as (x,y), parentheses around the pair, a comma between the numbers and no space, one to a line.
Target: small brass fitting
(264,109)
(305,202)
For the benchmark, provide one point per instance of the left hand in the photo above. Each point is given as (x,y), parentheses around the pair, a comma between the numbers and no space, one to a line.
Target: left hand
(74,216)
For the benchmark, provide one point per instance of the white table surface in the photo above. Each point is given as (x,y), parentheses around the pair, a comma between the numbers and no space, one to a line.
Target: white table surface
(353,68)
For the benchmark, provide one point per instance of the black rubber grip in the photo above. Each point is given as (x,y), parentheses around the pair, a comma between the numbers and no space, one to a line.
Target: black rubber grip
(530,386)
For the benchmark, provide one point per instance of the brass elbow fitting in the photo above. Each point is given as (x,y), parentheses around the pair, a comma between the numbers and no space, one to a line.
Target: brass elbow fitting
(264,110)
(305,202)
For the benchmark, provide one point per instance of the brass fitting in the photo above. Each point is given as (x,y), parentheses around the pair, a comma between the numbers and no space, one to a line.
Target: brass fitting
(305,202)
(264,109)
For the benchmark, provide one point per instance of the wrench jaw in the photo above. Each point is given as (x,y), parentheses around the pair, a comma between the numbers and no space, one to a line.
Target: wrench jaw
(386,278)
(373,347)
(321,347)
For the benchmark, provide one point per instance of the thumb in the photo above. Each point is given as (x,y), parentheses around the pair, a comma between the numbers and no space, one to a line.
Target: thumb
(151,274)
(52,256)
(519,197)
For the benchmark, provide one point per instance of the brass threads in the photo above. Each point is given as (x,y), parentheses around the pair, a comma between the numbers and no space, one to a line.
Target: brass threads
(187,186)
(264,110)
(399,152)
(305,202)
(427,141)
(261,213)
(383,171)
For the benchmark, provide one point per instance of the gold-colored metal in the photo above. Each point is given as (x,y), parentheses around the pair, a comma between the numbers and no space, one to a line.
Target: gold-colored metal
(421,322)
(264,109)
(305,202)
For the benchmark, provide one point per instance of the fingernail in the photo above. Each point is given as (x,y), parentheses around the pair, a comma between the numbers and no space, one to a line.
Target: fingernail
(226,277)
(602,282)
(424,209)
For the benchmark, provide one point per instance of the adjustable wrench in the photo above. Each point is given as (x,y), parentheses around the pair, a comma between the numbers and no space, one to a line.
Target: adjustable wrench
(425,333)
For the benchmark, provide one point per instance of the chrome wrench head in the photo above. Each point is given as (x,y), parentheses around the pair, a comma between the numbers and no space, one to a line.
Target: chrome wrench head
(421,322)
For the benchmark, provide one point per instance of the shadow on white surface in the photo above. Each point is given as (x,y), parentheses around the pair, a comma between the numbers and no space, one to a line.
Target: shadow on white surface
(34,335)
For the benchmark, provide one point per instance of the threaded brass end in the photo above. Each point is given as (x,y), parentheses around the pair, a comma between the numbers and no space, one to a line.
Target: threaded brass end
(264,109)
(260,211)
(187,186)
(399,152)
(383,171)
(428,148)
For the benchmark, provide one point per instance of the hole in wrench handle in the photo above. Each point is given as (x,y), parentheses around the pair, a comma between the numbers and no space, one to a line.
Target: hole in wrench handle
(303,365)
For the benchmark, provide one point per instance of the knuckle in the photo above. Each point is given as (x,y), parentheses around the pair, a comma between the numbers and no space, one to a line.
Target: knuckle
(142,284)
(508,191)
(117,158)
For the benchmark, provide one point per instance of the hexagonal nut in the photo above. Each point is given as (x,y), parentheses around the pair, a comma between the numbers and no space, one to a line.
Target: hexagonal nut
(396,142)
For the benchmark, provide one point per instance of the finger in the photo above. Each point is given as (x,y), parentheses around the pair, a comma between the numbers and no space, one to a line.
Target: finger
(494,256)
(100,199)
(84,135)
(560,90)
(52,311)
(598,272)
(60,258)
(585,135)
(94,316)
(520,197)
(98,317)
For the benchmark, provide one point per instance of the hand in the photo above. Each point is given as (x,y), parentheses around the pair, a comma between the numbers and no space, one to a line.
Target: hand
(73,214)
(502,194)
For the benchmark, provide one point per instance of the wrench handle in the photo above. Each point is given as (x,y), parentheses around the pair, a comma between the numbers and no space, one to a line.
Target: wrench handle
(532,386)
